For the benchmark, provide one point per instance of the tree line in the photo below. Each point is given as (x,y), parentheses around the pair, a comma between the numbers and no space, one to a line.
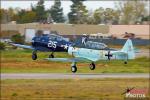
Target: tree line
(125,12)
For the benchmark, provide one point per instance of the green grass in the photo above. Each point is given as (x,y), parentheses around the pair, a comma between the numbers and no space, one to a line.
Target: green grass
(69,89)
(19,61)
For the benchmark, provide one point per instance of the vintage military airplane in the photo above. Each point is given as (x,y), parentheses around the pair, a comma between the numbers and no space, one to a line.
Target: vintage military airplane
(46,43)
(84,42)
(56,43)
(92,55)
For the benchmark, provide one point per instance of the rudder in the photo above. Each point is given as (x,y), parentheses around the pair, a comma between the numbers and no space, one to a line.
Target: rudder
(128,48)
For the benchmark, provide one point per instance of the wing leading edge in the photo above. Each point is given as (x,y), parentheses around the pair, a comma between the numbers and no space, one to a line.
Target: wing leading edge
(22,46)
(68,59)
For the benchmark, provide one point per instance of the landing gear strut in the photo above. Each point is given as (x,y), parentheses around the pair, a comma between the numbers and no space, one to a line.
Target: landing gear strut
(92,66)
(73,67)
(34,55)
(51,55)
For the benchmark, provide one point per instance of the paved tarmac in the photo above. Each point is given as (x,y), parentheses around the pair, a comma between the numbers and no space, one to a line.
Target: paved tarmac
(71,75)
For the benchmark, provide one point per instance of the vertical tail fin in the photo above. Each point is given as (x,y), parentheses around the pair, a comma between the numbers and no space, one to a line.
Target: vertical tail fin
(128,48)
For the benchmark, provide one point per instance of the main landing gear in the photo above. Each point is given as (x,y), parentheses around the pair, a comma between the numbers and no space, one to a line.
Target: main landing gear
(34,55)
(74,68)
(51,55)
(125,62)
(92,66)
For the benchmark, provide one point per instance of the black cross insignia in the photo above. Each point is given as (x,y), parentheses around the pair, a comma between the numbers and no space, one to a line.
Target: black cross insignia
(108,55)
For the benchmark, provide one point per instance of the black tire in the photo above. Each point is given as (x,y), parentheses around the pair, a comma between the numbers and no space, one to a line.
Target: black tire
(73,69)
(34,56)
(92,66)
(125,62)
(51,56)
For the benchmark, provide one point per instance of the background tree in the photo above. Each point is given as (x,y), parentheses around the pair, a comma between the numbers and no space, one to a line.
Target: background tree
(2,46)
(19,16)
(106,16)
(78,14)
(28,17)
(111,16)
(57,12)
(131,11)
(7,15)
(90,18)
(49,18)
(3,15)
(40,11)
(17,39)
(24,16)
(146,18)
(99,16)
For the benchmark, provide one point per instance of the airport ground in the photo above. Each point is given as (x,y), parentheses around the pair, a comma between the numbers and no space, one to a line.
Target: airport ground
(70,89)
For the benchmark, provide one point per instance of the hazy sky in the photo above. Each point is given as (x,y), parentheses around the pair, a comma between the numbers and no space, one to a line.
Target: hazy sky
(91,5)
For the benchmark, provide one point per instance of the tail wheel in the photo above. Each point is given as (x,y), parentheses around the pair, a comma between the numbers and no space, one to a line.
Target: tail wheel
(34,56)
(73,69)
(51,56)
(92,66)
(125,62)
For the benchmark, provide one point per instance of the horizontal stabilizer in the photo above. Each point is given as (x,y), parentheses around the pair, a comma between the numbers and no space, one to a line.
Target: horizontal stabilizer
(119,53)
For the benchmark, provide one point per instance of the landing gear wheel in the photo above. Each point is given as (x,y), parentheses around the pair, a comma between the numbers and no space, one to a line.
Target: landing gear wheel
(34,56)
(92,66)
(125,62)
(73,69)
(51,56)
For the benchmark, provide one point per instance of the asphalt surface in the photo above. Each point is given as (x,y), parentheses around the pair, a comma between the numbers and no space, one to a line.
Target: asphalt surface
(70,76)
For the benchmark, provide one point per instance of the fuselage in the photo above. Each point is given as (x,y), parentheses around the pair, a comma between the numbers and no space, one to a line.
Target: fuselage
(47,43)
(93,55)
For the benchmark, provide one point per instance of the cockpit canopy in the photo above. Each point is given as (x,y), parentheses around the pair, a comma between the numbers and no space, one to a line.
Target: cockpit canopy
(56,37)
(95,45)
(48,37)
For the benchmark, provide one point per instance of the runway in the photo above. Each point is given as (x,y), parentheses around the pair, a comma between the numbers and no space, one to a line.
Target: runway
(71,75)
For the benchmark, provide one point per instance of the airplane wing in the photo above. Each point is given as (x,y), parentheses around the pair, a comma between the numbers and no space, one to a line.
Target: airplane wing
(68,59)
(22,46)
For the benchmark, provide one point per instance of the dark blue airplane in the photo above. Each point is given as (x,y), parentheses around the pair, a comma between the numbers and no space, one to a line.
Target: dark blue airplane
(47,43)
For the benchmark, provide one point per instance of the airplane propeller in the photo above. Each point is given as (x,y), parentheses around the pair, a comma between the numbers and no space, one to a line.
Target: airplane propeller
(109,55)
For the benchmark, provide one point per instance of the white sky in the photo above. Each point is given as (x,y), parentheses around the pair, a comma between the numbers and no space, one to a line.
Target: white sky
(91,5)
